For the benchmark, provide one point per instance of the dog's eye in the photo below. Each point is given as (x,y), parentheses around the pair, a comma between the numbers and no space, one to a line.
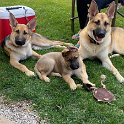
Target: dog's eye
(75,57)
(69,60)
(25,33)
(17,31)
(106,23)
(97,22)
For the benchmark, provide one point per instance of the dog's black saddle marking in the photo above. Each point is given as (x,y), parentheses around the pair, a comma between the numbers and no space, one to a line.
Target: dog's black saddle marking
(4,41)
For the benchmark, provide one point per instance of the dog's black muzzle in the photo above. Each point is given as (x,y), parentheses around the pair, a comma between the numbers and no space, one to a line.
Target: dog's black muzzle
(20,42)
(100,33)
(74,64)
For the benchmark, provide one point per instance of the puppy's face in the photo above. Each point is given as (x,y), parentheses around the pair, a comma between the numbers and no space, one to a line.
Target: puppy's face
(21,33)
(71,56)
(100,23)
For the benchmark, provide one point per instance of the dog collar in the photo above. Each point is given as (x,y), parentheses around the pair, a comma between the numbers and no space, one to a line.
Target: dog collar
(93,41)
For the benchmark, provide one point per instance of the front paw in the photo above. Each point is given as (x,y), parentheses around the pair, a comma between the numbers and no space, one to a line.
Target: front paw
(30,73)
(68,44)
(79,86)
(39,56)
(46,79)
(73,86)
(121,80)
(89,85)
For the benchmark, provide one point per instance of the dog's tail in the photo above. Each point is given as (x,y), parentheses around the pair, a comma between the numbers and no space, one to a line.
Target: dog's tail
(37,72)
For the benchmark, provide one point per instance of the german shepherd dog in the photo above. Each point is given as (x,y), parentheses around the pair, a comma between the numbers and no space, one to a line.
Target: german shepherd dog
(65,64)
(98,38)
(18,44)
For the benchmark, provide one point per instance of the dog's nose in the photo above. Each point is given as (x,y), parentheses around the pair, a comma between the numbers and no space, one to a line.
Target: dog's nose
(20,41)
(100,33)
(74,65)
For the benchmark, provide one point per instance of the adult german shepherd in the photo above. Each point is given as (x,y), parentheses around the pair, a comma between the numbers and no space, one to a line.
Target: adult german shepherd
(98,38)
(18,44)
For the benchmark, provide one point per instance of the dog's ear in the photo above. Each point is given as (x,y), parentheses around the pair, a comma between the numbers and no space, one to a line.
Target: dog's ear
(93,9)
(32,24)
(65,52)
(72,48)
(12,19)
(111,10)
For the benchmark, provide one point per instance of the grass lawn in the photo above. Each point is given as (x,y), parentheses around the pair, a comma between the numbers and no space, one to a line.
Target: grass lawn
(54,101)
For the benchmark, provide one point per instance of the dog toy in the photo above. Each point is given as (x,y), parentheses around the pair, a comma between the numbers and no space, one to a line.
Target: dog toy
(102,94)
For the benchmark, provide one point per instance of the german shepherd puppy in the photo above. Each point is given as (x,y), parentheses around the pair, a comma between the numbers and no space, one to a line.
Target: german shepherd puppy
(18,44)
(98,38)
(65,64)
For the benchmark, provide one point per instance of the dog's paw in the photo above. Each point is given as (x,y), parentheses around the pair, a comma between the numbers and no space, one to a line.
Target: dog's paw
(90,84)
(56,74)
(73,86)
(79,86)
(30,73)
(46,79)
(68,44)
(39,56)
(121,80)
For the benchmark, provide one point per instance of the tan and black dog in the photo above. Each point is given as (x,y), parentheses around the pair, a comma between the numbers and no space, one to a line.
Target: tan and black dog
(18,44)
(63,64)
(98,38)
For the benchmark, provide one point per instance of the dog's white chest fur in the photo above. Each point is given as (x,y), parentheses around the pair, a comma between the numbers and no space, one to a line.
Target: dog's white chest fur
(25,53)
(21,53)
(88,50)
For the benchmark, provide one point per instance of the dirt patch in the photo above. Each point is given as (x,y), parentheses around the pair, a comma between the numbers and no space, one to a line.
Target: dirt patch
(19,112)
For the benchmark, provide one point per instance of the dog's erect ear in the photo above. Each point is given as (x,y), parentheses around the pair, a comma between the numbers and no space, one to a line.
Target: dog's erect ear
(32,24)
(111,10)
(93,9)
(12,19)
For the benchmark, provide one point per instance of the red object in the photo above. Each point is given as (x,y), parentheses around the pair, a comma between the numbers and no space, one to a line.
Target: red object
(23,15)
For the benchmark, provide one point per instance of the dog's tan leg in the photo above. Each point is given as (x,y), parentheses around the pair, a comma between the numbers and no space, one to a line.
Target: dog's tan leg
(21,67)
(56,74)
(36,54)
(108,64)
(70,81)
(83,75)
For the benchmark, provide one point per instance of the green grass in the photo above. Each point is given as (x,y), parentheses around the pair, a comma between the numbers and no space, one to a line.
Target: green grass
(54,101)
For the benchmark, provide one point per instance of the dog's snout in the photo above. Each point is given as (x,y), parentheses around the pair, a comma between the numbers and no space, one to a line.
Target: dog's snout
(20,41)
(100,33)
(74,65)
